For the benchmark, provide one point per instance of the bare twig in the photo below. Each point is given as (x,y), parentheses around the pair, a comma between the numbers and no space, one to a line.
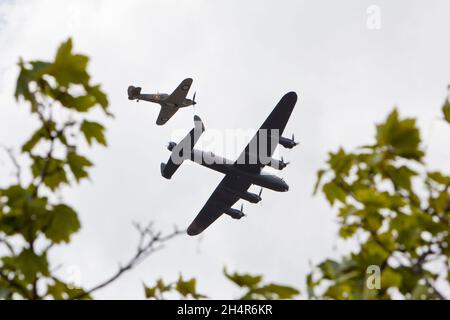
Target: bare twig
(418,268)
(14,161)
(8,245)
(149,242)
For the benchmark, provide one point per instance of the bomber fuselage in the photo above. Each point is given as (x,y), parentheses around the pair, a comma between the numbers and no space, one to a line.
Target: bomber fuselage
(226,166)
(161,98)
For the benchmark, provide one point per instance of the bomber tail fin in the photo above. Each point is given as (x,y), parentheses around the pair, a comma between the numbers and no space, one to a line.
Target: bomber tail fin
(133,92)
(183,149)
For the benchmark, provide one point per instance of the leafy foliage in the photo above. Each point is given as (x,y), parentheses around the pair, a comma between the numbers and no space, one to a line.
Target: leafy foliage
(252,285)
(185,288)
(30,215)
(254,289)
(446,109)
(396,210)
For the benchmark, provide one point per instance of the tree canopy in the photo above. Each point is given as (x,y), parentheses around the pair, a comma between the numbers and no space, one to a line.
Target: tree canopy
(388,202)
(395,208)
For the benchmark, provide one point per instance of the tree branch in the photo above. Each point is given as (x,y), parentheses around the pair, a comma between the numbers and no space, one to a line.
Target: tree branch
(418,268)
(149,242)
(15,162)
(8,245)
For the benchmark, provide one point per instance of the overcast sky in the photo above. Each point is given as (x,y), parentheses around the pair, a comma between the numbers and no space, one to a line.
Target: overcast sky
(348,67)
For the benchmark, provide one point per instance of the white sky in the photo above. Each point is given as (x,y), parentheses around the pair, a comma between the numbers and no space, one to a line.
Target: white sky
(243,56)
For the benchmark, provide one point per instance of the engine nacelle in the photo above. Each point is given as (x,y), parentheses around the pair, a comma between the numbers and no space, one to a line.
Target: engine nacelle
(287,143)
(248,196)
(234,213)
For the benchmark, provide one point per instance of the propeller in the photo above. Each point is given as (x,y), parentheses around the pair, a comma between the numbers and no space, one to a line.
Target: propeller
(170,145)
(193,99)
(284,164)
(259,194)
(293,140)
(242,210)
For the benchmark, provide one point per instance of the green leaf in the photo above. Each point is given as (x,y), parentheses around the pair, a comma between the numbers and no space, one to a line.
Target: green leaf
(163,287)
(446,110)
(80,103)
(31,265)
(408,230)
(41,133)
(243,280)
(31,143)
(16,195)
(311,284)
(390,278)
(99,95)
(330,269)
(39,68)
(26,77)
(157,291)
(439,177)
(373,220)
(340,162)
(78,165)
(371,198)
(347,231)
(334,192)
(63,223)
(186,288)
(277,291)
(150,292)
(401,136)
(422,292)
(373,253)
(60,290)
(21,205)
(68,67)
(320,174)
(93,131)
(51,169)
(400,177)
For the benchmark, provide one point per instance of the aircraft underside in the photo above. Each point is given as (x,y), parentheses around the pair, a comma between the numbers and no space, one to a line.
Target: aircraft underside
(241,174)
(226,166)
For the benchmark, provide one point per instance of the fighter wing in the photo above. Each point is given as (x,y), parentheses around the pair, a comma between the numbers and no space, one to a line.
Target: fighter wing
(177,97)
(165,114)
(218,202)
(265,141)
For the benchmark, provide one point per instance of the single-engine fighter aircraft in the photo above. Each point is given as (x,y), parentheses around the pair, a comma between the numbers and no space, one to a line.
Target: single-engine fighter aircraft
(239,174)
(169,103)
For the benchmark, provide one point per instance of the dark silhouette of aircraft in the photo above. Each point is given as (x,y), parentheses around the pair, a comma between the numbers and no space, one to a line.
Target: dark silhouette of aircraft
(169,103)
(239,174)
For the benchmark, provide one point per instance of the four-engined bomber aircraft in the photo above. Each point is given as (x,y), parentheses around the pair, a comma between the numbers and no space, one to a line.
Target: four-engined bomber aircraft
(169,103)
(239,174)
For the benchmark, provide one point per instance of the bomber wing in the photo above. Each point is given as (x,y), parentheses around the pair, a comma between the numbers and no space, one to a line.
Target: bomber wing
(218,202)
(266,139)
